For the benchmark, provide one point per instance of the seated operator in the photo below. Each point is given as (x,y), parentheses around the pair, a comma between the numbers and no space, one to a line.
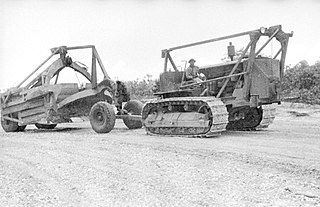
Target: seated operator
(192,72)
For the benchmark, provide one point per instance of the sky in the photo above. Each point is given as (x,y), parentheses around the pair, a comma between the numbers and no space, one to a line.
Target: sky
(130,34)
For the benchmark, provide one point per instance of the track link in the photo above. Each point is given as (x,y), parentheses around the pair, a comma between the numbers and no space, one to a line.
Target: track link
(269,114)
(213,108)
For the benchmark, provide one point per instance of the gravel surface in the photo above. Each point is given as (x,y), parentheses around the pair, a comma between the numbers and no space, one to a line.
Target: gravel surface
(73,166)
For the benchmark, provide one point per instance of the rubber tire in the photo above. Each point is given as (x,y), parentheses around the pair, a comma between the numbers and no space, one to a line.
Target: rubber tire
(21,128)
(9,126)
(45,126)
(102,117)
(133,107)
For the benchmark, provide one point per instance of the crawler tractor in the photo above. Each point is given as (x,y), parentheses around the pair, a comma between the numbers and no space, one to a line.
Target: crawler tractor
(236,95)
(46,102)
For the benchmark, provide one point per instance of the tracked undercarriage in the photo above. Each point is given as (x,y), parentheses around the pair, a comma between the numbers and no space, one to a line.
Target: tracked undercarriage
(202,117)
(193,116)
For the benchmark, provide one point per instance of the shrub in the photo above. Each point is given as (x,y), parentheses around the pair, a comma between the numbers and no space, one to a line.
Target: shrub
(141,88)
(303,81)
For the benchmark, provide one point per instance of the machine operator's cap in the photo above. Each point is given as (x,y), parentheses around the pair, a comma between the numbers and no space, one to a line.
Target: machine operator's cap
(191,60)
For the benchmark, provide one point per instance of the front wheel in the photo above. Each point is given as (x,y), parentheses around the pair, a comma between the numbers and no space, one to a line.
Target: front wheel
(133,107)
(102,117)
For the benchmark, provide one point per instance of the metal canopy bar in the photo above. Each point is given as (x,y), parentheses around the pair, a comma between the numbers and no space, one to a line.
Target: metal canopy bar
(93,70)
(80,47)
(215,79)
(172,63)
(234,68)
(277,53)
(96,54)
(267,42)
(165,61)
(211,40)
(52,54)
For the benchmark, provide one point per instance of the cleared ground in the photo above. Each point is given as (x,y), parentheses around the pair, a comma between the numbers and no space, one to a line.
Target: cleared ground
(74,166)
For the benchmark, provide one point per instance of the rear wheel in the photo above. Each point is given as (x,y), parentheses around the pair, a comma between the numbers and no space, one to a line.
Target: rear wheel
(102,117)
(9,126)
(45,126)
(133,107)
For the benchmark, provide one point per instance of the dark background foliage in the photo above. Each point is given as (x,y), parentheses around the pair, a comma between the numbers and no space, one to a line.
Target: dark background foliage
(301,83)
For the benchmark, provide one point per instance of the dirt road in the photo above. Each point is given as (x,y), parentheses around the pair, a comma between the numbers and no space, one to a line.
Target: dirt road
(74,166)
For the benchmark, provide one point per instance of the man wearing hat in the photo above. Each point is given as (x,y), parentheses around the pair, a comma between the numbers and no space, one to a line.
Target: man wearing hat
(192,72)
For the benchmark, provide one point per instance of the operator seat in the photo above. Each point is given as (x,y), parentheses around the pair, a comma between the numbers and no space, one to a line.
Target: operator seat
(185,81)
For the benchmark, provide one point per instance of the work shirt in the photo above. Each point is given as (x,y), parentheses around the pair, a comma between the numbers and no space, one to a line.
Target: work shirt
(192,72)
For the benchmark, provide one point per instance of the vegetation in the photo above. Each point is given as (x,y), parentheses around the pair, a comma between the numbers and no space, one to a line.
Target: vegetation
(302,83)
(141,88)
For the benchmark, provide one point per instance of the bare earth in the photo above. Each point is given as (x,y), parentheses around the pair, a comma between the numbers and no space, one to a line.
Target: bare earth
(73,166)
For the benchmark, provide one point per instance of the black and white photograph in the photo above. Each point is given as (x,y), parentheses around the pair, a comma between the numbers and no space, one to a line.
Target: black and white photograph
(159,103)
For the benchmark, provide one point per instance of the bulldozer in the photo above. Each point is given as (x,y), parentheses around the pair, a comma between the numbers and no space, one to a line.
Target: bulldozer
(46,101)
(238,94)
